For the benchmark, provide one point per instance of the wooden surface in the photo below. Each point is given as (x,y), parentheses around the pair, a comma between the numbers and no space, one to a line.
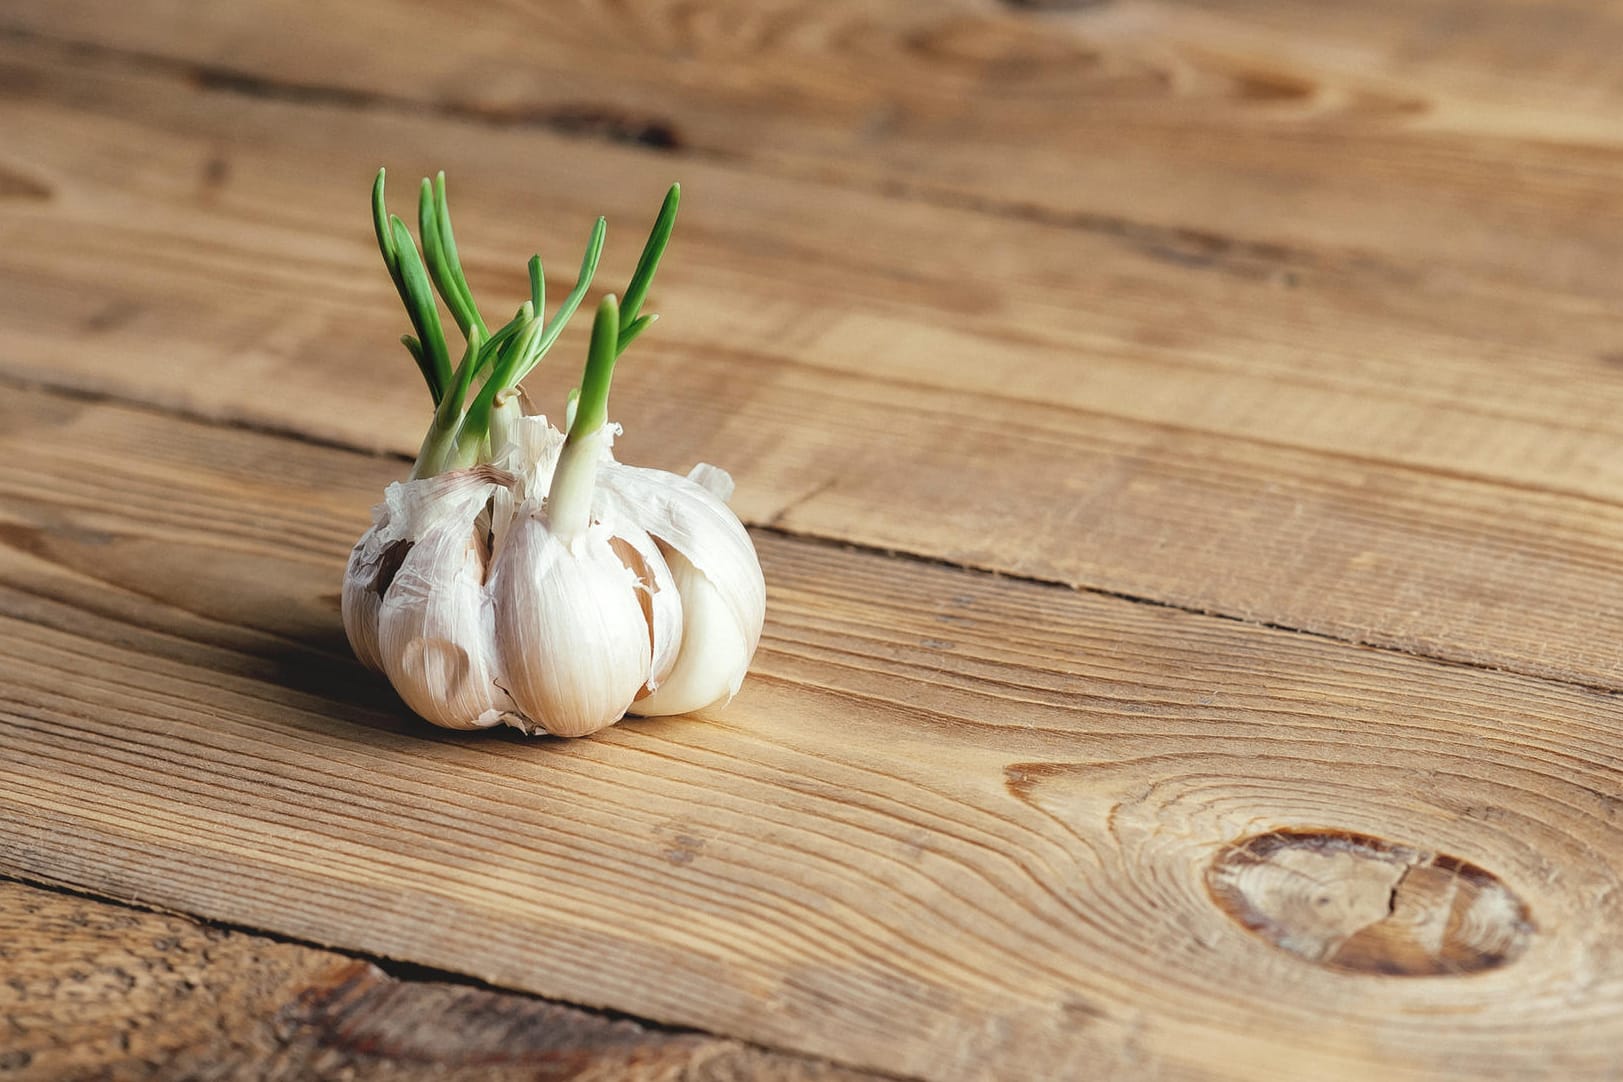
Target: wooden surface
(99,991)
(1335,456)
(1182,439)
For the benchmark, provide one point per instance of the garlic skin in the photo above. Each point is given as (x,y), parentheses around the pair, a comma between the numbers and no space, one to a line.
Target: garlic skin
(573,642)
(436,631)
(658,595)
(361,599)
(655,608)
(409,511)
(716,572)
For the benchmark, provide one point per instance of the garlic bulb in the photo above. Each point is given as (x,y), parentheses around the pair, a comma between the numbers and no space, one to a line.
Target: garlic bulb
(523,576)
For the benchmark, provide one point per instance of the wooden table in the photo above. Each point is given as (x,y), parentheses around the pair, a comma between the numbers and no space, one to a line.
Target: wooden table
(1184,439)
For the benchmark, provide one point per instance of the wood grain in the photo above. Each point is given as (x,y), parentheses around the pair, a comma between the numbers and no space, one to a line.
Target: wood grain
(955,827)
(1389,455)
(98,991)
(1474,136)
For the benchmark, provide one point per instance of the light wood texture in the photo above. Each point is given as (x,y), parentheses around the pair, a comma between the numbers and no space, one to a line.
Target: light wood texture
(1361,448)
(955,827)
(1301,315)
(1449,133)
(97,991)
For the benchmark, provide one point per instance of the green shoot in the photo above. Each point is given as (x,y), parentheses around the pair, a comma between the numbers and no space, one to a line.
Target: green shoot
(419,300)
(451,407)
(504,334)
(467,397)
(519,351)
(588,269)
(629,333)
(538,285)
(439,250)
(648,262)
(428,347)
(441,441)
(569,500)
(592,406)
(380,224)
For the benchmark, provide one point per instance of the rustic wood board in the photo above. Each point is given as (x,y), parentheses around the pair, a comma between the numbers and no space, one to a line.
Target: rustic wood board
(955,827)
(1445,130)
(1248,319)
(100,991)
(1427,463)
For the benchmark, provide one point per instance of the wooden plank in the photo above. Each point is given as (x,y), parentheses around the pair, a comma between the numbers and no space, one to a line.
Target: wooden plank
(94,990)
(1529,68)
(1481,137)
(1417,463)
(956,826)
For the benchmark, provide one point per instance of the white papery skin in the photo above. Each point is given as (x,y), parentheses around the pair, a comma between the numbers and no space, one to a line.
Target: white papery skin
(570,630)
(360,601)
(436,632)
(717,574)
(658,595)
(656,608)
(410,511)
(531,456)
(715,652)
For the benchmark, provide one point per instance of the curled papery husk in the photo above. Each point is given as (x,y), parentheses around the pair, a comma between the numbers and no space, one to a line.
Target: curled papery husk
(436,631)
(410,509)
(570,631)
(530,456)
(716,573)
(657,593)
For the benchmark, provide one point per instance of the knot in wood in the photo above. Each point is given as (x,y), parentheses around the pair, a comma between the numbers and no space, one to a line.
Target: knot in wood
(1360,904)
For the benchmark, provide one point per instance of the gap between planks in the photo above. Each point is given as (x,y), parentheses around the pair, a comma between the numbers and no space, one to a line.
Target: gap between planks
(223,79)
(291,1009)
(1231,61)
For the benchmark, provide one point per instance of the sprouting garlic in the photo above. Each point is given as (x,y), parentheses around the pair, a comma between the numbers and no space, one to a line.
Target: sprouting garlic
(480,615)
(524,576)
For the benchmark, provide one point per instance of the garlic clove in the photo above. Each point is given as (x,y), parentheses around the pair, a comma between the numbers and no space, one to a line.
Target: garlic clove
(436,632)
(409,511)
(717,573)
(715,652)
(570,632)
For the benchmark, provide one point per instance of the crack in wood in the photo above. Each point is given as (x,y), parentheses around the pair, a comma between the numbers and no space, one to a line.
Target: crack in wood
(285,1006)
